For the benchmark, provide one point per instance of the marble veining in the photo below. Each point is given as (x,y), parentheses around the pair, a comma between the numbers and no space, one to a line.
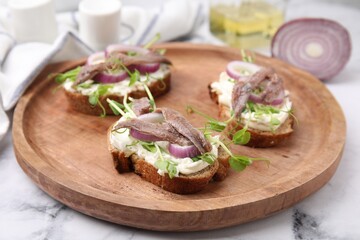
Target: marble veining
(306,226)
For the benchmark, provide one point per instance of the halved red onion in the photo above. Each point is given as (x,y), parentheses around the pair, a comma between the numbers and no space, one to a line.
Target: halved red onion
(183,151)
(105,77)
(143,136)
(240,70)
(319,46)
(124,49)
(152,117)
(95,58)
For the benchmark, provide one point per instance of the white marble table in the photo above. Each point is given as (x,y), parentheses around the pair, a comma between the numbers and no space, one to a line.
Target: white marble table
(333,212)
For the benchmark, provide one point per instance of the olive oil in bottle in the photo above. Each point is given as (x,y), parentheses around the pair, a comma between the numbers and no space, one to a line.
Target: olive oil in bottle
(247,23)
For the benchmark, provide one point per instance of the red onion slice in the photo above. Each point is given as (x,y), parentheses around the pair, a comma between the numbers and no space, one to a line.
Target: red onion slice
(239,70)
(105,77)
(145,68)
(148,117)
(319,46)
(279,99)
(143,137)
(125,49)
(255,98)
(95,58)
(183,151)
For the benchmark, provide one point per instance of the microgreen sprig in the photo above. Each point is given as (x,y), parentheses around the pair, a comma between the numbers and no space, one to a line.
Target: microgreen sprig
(127,107)
(165,164)
(161,51)
(117,65)
(116,107)
(242,136)
(212,123)
(246,57)
(291,113)
(71,75)
(152,41)
(86,84)
(94,98)
(150,96)
(206,157)
(260,110)
(237,162)
(149,146)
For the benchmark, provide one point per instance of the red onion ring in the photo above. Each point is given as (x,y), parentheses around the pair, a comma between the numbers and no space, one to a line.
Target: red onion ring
(236,69)
(142,136)
(255,98)
(142,68)
(145,68)
(183,151)
(319,46)
(148,117)
(105,77)
(96,58)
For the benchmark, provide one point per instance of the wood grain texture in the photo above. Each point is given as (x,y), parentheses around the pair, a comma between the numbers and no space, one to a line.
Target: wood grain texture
(65,153)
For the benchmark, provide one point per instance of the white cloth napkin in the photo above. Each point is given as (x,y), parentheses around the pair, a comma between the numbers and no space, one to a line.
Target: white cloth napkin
(21,63)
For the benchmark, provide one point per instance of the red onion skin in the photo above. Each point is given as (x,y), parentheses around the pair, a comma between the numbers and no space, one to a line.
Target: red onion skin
(183,151)
(335,56)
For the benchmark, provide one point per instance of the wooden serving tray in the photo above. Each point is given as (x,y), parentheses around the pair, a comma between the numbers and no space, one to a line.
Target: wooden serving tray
(65,152)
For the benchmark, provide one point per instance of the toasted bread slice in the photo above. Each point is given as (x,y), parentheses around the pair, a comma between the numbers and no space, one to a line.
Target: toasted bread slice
(259,139)
(183,184)
(80,102)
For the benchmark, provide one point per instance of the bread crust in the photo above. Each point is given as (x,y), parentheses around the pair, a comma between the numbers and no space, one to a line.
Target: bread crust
(80,102)
(183,184)
(259,139)
(263,139)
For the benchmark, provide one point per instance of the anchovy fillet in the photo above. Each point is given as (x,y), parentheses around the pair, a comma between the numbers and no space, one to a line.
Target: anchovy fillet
(243,89)
(141,106)
(184,127)
(162,131)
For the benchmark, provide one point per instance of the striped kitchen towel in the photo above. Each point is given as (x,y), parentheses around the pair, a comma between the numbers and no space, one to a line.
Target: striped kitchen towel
(21,63)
